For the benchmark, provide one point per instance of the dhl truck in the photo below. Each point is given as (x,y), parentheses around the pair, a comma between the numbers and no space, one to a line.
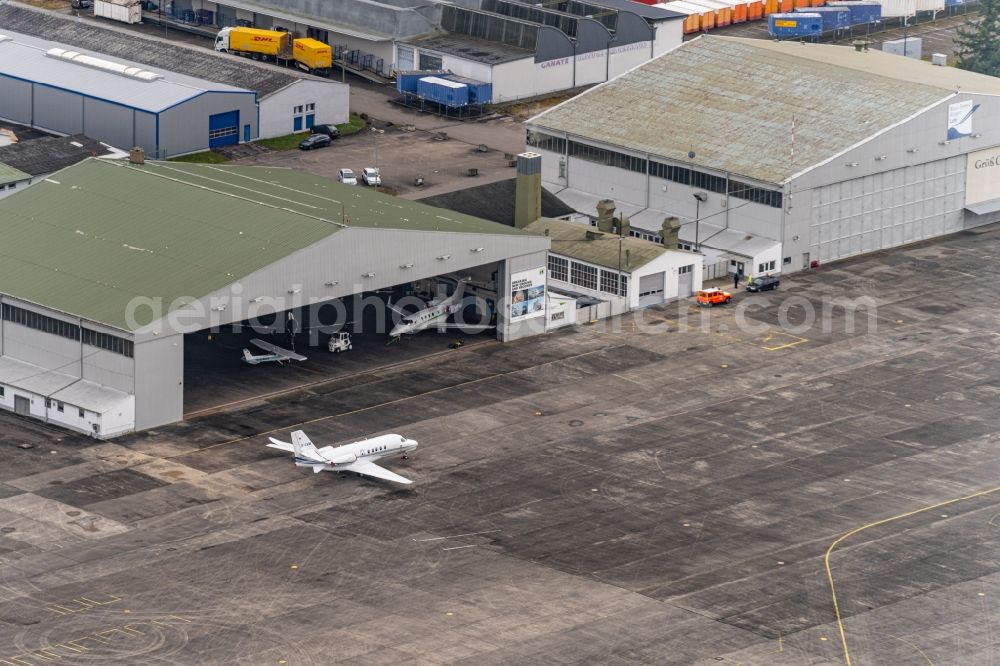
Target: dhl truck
(308,54)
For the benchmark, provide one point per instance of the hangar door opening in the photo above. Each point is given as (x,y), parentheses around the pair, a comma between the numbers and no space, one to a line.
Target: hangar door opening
(224,129)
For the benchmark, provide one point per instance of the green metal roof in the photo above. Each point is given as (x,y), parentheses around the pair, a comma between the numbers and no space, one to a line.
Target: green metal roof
(93,237)
(570,239)
(9,174)
(352,205)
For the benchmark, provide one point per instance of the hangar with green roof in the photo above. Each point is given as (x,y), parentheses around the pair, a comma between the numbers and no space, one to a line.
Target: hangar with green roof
(108,267)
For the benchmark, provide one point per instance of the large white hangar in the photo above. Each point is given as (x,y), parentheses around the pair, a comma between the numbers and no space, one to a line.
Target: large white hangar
(778,155)
(107,268)
(286,98)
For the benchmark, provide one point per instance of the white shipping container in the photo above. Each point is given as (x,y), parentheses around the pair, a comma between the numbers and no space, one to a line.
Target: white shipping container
(125,11)
(897,8)
(930,5)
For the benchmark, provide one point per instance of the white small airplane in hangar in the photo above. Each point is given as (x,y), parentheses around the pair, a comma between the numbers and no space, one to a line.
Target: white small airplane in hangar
(435,315)
(275,354)
(356,457)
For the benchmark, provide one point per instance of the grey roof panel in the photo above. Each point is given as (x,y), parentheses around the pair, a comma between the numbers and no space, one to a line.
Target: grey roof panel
(479,50)
(24,57)
(46,155)
(732,101)
(152,53)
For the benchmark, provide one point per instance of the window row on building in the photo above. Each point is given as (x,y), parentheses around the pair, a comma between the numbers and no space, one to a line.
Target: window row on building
(606,157)
(65,329)
(671,172)
(547,142)
(587,276)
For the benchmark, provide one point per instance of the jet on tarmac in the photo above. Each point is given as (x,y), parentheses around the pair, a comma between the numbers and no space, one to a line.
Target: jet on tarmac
(356,457)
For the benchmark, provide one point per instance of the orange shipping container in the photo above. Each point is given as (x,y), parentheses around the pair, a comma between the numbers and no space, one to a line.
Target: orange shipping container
(786,6)
(770,7)
(755,10)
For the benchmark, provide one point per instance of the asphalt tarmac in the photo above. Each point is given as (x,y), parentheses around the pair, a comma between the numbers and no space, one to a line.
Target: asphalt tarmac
(695,487)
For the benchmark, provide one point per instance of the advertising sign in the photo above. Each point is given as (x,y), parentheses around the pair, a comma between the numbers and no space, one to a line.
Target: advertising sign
(982,176)
(960,119)
(527,294)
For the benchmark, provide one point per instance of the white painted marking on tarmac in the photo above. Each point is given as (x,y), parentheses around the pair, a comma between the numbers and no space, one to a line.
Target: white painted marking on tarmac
(455,536)
(459,547)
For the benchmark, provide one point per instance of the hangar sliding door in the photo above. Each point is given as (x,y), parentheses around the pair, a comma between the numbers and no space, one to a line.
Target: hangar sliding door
(224,129)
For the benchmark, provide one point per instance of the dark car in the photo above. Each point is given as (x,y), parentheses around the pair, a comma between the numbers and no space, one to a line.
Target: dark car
(82,4)
(329,130)
(315,141)
(764,283)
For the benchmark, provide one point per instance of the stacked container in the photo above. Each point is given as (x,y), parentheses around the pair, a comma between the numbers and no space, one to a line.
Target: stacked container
(795,26)
(834,18)
(898,8)
(861,12)
(480,92)
(406,82)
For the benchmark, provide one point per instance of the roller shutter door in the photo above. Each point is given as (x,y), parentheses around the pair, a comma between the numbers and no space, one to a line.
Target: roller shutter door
(651,289)
(224,129)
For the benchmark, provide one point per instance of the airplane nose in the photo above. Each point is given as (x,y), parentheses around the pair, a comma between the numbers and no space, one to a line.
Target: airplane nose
(412,443)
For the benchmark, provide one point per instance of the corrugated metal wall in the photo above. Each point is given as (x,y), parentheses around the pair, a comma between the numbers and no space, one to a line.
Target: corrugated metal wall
(109,123)
(58,110)
(184,128)
(15,102)
(887,209)
(159,381)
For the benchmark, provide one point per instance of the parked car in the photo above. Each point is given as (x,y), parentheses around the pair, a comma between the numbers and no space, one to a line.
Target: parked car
(764,283)
(371,177)
(82,4)
(347,177)
(315,141)
(713,296)
(329,130)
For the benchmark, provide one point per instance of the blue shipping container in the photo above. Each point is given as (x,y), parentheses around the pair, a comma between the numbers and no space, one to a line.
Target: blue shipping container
(443,91)
(407,81)
(480,92)
(795,26)
(834,18)
(861,12)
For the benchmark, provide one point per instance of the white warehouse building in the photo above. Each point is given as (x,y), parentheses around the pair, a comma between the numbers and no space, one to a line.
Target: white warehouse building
(287,100)
(778,156)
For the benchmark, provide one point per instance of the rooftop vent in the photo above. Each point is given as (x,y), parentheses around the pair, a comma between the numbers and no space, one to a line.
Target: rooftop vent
(105,65)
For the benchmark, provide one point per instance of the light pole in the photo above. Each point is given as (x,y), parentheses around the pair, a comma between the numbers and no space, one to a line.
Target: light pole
(375,133)
(699,198)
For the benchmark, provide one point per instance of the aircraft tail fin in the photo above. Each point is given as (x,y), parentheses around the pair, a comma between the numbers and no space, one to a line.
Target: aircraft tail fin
(304,448)
(248,357)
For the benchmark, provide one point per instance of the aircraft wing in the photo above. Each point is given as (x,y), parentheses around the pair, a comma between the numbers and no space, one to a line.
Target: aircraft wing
(268,347)
(371,469)
(278,444)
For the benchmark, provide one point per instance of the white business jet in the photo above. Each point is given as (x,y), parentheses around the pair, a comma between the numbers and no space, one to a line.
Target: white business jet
(275,354)
(356,457)
(434,315)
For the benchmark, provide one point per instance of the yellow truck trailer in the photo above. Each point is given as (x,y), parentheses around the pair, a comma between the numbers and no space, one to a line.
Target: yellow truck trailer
(311,54)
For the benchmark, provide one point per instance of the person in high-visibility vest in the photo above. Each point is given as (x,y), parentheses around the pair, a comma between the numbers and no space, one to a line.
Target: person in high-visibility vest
(749,280)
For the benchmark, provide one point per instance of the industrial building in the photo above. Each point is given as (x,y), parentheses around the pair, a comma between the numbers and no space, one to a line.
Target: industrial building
(287,99)
(623,271)
(56,88)
(133,259)
(524,50)
(777,155)
(12,178)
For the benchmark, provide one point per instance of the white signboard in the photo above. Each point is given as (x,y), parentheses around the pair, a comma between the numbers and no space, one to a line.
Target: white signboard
(960,119)
(982,176)
(527,294)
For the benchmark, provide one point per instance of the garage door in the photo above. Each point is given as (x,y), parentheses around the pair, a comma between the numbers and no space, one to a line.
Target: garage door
(685,279)
(224,129)
(22,405)
(651,289)
(404,54)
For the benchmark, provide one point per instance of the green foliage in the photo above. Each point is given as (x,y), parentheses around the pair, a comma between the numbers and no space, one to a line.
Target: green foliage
(207,157)
(286,142)
(978,43)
